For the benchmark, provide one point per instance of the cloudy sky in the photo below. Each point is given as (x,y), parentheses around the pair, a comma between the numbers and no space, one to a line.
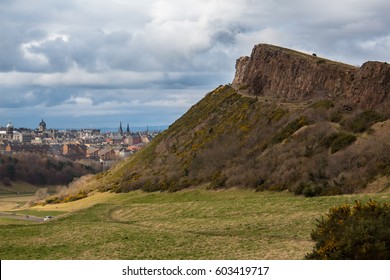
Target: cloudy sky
(94,63)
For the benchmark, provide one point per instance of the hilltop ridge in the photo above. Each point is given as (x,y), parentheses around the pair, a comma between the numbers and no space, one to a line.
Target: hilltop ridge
(289,121)
(280,72)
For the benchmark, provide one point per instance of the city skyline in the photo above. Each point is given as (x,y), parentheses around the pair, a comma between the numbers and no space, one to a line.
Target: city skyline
(113,128)
(94,63)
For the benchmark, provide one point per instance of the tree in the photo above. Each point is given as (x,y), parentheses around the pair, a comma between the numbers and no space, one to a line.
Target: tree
(41,193)
(354,232)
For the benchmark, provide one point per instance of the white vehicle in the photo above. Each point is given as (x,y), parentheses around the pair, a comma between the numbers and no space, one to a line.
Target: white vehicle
(47,218)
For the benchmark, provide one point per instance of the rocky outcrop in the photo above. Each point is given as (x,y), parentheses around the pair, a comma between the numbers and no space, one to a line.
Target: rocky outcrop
(279,72)
(371,87)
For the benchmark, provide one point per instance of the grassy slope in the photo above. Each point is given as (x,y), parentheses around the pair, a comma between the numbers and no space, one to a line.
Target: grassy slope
(233,140)
(190,224)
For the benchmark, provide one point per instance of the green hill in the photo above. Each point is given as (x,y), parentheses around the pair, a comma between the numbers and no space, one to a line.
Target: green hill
(313,147)
(289,121)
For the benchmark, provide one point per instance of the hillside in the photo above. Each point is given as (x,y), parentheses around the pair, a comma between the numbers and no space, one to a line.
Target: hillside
(288,121)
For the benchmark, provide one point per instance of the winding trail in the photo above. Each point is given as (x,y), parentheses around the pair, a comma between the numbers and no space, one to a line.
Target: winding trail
(20,217)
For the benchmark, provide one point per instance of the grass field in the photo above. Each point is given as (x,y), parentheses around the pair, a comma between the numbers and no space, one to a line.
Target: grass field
(190,224)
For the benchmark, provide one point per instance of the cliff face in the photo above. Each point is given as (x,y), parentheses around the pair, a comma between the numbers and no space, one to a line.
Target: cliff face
(279,72)
(230,138)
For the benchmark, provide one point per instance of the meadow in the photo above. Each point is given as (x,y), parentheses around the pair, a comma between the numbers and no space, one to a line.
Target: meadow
(189,224)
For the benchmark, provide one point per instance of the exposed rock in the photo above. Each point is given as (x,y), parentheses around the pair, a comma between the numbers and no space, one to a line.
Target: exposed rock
(279,72)
(306,135)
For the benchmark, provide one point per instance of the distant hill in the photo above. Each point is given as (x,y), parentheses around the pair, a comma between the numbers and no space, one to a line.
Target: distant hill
(288,121)
(39,170)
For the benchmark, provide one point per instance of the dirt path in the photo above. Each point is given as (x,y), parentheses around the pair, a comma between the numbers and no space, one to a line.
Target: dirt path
(21,217)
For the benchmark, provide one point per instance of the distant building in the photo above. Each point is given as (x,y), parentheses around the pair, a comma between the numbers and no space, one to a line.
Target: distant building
(42,126)
(9,129)
(93,152)
(74,151)
(120,130)
(107,154)
(9,133)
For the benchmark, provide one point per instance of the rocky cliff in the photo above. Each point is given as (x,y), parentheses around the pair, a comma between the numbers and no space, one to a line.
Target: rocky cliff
(291,121)
(279,72)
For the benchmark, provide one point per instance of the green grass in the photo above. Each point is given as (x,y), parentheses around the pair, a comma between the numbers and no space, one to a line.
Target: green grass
(11,221)
(38,213)
(191,224)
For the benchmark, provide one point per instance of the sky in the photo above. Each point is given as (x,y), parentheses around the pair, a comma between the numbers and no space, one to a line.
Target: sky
(95,63)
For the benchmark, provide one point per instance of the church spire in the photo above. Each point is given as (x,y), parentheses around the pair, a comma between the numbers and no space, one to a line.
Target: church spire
(120,130)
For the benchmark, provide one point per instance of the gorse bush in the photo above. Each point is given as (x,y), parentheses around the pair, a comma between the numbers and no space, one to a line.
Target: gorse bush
(341,141)
(338,141)
(323,104)
(361,231)
(364,121)
(289,129)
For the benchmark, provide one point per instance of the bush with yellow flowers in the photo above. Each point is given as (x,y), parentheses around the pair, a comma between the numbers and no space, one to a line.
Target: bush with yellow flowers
(358,232)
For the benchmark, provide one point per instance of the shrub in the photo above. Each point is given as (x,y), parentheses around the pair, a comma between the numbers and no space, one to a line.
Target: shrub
(75,197)
(311,191)
(364,121)
(354,232)
(299,189)
(335,116)
(6,182)
(278,114)
(289,129)
(338,141)
(322,104)
(243,87)
(341,141)
(53,200)
(385,169)
(218,181)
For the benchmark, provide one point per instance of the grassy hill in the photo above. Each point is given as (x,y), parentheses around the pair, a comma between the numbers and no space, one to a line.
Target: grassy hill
(228,139)
(189,224)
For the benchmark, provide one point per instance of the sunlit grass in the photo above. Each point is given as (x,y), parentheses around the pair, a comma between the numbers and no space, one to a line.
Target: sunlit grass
(191,224)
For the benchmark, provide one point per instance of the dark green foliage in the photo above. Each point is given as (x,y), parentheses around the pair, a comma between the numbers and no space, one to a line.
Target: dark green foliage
(336,116)
(321,189)
(218,181)
(278,114)
(338,141)
(354,232)
(277,188)
(364,121)
(385,168)
(310,190)
(40,170)
(322,104)
(289,129)
(244,87)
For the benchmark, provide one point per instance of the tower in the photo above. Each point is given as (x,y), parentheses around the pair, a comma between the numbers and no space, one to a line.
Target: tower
(42,126)
(9,129)
(120,130)
(128,129)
